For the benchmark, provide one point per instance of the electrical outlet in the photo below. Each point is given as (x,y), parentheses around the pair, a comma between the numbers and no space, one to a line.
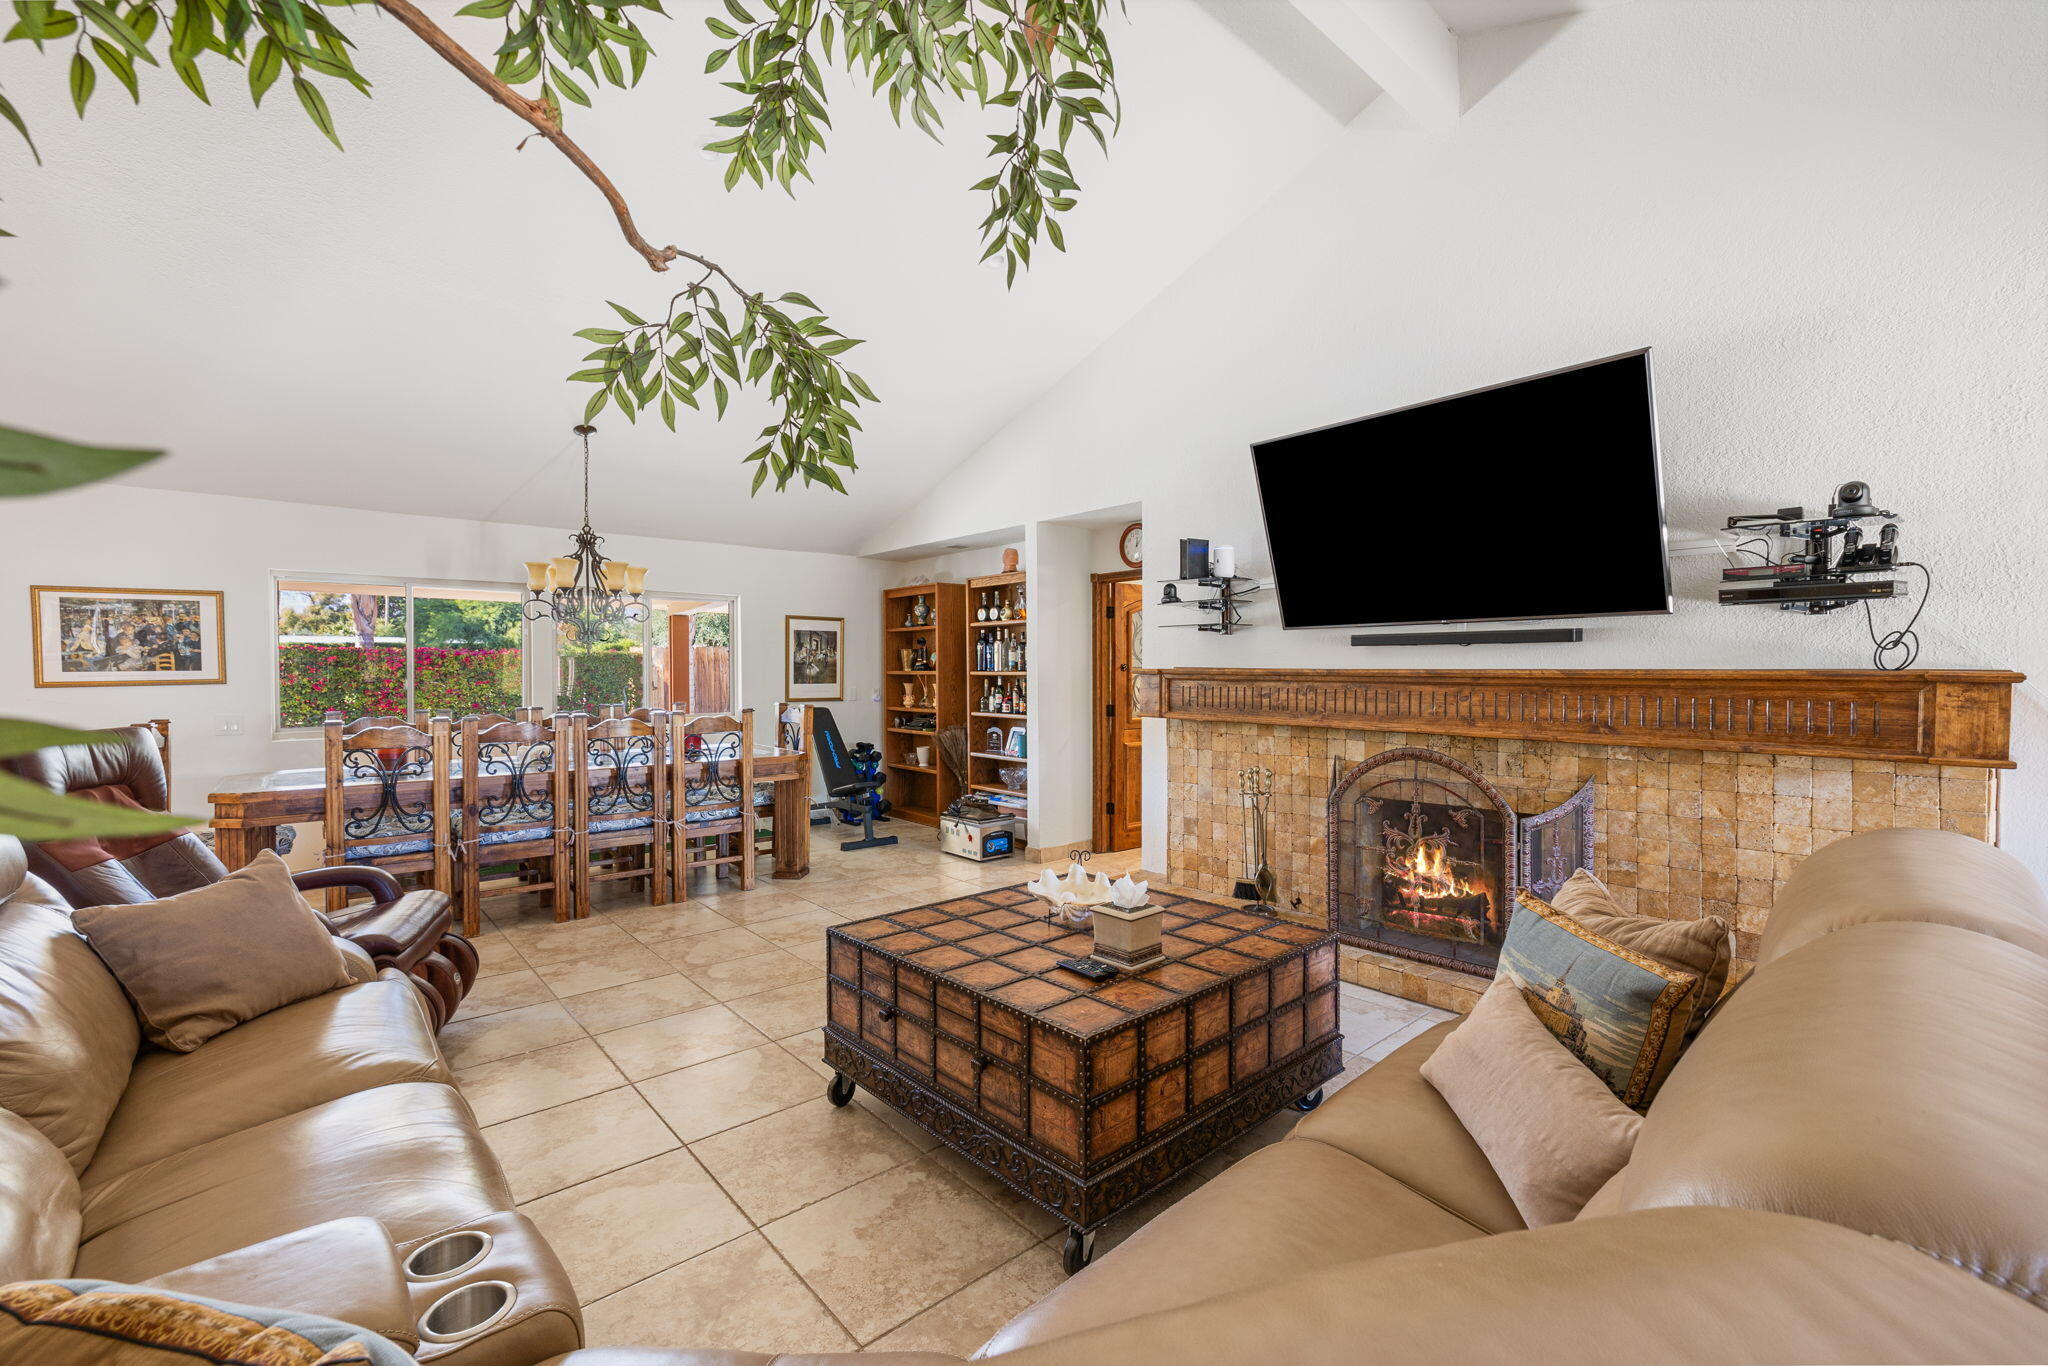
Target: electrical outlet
(877,697)
(227,725)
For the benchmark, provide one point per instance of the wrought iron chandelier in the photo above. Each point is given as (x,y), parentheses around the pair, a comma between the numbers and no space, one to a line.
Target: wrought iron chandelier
(585,594)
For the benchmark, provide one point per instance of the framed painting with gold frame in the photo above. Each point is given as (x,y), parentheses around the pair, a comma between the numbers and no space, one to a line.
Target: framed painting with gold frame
(123,637)
(814,658)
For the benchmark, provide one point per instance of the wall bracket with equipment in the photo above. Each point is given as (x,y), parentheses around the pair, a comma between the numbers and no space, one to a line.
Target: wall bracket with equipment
(1826,573)
(1220,597)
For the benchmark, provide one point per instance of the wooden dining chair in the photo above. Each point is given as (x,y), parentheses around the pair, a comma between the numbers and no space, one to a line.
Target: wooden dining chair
(517,809)
(622,804)
(792,736)
(713,756)
(389,799)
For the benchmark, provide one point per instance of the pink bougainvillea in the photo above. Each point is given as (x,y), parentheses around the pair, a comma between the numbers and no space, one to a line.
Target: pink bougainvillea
(315,679)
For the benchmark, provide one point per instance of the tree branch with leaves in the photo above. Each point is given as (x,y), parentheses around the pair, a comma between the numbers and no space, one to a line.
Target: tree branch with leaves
(1047,60)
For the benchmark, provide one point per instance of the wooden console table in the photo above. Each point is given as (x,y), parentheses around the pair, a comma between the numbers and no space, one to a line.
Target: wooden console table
(1083,1097)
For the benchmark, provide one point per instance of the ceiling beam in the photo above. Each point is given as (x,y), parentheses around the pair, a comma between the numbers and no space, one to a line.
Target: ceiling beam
(1402,46)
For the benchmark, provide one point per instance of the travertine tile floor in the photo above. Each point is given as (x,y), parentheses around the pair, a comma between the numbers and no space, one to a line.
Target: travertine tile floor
(650,1078)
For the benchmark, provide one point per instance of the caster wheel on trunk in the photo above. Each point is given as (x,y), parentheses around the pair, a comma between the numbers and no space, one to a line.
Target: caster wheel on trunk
(1077,1251)
(841,1089)
(1309,1101)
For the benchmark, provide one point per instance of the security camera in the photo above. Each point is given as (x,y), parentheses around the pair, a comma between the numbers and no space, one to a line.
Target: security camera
(1853,500)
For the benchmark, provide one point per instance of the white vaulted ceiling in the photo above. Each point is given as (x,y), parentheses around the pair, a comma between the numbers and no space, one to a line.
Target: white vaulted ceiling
(389,328)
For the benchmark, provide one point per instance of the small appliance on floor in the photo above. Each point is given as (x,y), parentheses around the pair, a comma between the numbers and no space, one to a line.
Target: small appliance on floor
(981,838)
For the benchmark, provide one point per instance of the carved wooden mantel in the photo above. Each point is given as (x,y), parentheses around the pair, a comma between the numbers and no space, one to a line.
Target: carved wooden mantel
(1940,716)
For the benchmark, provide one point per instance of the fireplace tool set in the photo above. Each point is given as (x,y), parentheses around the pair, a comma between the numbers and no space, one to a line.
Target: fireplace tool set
(1258,885)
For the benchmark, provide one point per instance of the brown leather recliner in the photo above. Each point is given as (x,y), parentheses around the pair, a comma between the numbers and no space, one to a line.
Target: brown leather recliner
(410,931)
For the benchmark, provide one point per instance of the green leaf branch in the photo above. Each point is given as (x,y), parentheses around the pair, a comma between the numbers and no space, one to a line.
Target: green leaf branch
(663,364)
(1048,60)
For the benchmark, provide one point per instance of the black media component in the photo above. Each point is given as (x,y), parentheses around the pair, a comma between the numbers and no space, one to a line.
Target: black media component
(1194,557)
(1819,578)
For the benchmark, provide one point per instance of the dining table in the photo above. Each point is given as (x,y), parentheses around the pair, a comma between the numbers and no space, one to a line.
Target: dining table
(249,807)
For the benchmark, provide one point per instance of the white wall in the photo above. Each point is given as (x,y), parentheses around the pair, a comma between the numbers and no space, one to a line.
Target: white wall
(1825,215)
(144,538)
(1061,685)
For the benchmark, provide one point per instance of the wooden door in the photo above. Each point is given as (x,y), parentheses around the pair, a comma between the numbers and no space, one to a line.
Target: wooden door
(680,627)
(1119,762)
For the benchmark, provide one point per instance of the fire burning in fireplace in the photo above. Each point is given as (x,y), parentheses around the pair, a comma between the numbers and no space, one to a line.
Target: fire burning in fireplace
(1425,874)
(1426,855)
(1430,896)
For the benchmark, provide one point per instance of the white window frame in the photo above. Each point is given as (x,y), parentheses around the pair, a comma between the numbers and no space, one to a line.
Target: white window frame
(539,662)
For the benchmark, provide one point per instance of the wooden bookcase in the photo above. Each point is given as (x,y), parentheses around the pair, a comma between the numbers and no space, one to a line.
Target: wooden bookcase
(919,792)
(983,761)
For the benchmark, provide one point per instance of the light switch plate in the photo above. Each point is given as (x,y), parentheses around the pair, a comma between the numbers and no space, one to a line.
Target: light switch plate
(227,725)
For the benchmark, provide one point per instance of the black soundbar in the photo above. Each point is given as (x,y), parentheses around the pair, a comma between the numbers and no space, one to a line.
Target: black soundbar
(1547,635)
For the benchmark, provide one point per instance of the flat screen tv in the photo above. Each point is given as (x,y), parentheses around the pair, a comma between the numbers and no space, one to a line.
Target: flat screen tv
(1538,498)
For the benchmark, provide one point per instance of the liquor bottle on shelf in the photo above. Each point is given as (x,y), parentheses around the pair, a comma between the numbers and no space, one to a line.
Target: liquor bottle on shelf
(1020,602)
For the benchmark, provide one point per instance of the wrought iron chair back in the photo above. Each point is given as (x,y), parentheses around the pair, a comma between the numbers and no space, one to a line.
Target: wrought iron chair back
(517,805)
(714,793)
(389,798)
(623,802)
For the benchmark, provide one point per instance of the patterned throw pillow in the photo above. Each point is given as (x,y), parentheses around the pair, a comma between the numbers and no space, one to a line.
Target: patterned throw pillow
(100,1323)
(1704,946)
(1620,1012)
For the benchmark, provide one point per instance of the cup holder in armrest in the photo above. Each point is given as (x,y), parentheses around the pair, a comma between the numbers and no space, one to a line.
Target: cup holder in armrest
(451,1254)
(466,1312)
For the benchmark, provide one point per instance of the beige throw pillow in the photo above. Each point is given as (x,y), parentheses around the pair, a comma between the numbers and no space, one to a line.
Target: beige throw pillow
(1703,947)
(1552,1130)
(204,961)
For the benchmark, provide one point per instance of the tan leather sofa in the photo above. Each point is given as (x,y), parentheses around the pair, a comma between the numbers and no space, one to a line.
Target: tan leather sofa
(295,1160)
(1845,1167)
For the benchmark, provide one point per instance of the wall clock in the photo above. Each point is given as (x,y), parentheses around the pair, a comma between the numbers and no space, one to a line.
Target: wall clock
(1131,545)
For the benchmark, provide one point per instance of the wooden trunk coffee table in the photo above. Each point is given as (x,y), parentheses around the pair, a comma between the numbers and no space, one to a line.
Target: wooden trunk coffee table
(1083,1097)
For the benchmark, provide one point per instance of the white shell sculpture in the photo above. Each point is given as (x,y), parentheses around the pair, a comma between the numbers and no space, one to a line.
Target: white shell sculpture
(1076,896)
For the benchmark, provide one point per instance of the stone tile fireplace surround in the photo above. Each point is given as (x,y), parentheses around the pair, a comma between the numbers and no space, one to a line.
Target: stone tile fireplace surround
(1677,831)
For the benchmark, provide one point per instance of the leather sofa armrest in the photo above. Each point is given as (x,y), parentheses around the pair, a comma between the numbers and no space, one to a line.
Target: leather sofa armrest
(381,886)
(344,1269)
(1683,1284)
(399,932)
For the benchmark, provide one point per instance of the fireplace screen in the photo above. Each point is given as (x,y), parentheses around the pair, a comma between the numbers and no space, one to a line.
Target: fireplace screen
(1426,855)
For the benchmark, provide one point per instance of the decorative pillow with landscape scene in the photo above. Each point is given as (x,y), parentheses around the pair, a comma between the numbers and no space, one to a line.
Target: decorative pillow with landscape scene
(1620,1012)
(1704,946)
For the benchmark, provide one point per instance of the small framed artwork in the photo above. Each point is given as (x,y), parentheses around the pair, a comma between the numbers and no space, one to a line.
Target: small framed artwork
(121,637)
(814,651)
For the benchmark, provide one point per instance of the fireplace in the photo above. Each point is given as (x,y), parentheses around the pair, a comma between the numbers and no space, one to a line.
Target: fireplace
(1426,857)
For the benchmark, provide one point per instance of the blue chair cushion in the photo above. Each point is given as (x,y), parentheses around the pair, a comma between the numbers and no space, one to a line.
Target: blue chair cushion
(394,849)
(512,836)
(697,815)
(621,823)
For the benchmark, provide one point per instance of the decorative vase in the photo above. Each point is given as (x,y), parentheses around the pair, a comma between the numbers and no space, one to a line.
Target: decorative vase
(1009,561)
